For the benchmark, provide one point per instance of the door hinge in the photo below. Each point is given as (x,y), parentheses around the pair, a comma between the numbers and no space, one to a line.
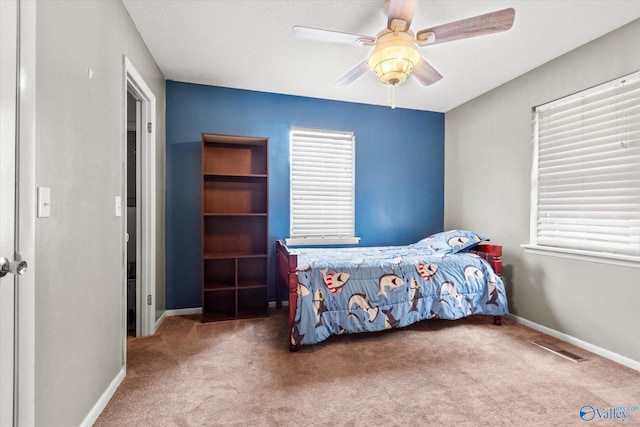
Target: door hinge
(148,299)
(149,127)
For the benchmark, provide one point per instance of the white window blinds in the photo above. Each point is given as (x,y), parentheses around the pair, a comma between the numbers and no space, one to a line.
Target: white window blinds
(587,170)
(322,187)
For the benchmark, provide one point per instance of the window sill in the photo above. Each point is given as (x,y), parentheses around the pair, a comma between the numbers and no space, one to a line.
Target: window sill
(301,241)
(612,259)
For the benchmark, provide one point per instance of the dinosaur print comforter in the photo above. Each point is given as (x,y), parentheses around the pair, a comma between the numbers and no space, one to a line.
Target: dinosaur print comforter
(352,290)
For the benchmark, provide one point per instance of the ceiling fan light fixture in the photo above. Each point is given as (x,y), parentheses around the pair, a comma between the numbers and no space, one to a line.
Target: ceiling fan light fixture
(394,57)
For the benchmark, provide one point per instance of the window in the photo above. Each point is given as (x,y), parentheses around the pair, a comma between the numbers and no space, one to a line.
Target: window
(322,187)
(586,171)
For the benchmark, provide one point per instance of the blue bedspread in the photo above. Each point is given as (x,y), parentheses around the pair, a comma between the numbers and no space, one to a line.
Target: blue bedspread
(351,290)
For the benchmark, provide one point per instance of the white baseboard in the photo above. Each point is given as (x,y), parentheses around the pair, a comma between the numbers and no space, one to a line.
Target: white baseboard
(183,311)
(630,363)
(102,403)
(160,320)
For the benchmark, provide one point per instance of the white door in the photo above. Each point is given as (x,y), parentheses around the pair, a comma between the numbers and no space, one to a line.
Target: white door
(17,213)
(8,47)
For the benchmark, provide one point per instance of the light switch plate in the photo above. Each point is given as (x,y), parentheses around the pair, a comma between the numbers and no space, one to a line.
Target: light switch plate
(118,206)
(44,202)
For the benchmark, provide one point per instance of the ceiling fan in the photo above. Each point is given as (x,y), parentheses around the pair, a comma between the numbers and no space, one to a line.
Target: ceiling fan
(395,53)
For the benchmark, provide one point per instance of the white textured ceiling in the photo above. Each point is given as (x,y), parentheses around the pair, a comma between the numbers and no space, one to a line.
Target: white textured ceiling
(247,44)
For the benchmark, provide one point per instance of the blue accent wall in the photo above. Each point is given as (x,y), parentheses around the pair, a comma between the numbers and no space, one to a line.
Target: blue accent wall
(399,169)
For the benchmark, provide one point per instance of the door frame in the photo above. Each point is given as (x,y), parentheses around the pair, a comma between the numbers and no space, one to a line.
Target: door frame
(27,224)
(146,208)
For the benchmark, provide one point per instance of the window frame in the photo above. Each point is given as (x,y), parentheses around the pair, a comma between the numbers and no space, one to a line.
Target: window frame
(328,239)
(616,258)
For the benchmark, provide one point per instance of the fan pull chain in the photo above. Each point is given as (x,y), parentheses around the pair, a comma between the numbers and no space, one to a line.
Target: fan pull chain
(391,96)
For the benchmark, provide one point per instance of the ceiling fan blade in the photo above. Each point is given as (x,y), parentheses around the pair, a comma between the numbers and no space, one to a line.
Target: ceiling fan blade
(310,33)
(399,9)
(425,73)
(480,25)
(354,74)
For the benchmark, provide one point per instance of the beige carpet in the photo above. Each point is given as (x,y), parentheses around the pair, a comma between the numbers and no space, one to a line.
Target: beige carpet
(456,373)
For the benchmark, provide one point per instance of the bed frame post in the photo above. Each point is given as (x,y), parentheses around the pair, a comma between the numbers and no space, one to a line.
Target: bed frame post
(287,265)
(279,278)
(493,255)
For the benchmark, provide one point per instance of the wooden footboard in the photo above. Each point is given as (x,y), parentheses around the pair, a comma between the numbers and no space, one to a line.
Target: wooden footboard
(287,278)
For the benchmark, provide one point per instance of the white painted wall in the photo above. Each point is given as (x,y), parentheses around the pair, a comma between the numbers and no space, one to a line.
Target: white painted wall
(79,155)
(487,189)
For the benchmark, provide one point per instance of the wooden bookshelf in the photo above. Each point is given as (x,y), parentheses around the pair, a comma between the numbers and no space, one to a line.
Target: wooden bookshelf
(235,221)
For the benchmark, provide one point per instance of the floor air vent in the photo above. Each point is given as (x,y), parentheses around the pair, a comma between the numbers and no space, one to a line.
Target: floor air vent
(560,352)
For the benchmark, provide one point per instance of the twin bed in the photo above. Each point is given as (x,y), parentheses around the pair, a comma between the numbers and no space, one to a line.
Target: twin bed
(448,275)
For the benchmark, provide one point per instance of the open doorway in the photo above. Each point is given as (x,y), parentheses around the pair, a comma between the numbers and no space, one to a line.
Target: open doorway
(133,286)
(139,190)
